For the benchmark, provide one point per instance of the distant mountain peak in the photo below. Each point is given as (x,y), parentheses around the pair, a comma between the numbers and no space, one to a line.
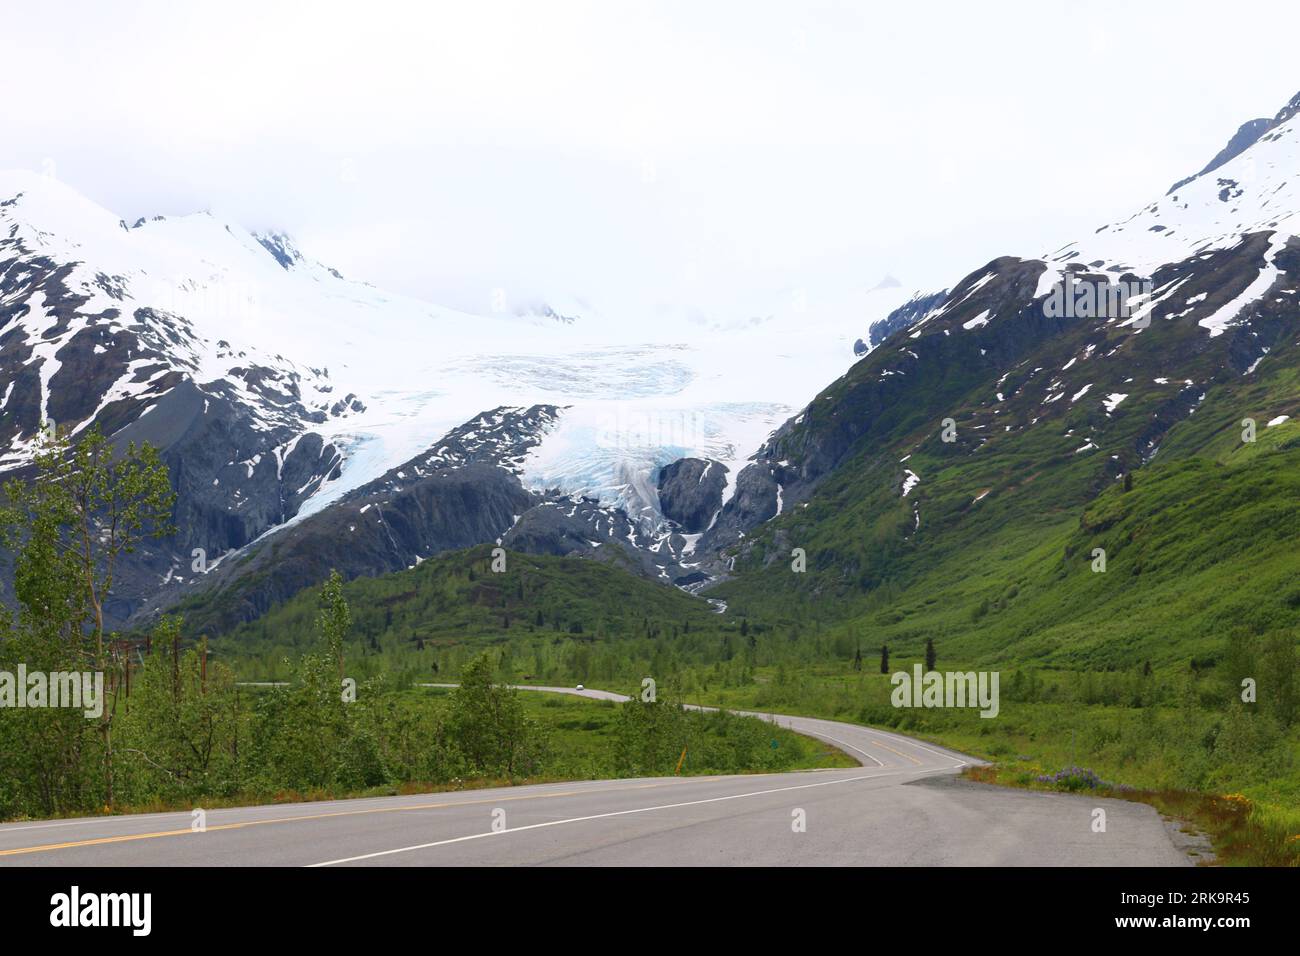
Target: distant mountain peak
(281,248)
(1247,135)
(1252,186)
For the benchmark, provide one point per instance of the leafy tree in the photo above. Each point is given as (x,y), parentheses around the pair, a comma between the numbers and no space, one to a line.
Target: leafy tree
(85,506)
(181,729)
(45,754)
(104,501)
(649,737)
(335,618)
(487,721)
(305,736)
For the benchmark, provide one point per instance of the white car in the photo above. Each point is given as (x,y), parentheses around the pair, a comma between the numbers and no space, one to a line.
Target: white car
(579,687)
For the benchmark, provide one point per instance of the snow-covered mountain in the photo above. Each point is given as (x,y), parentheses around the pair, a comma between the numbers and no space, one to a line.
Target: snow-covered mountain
(1248,188)
(311,421)
(279,389)
(1193,293)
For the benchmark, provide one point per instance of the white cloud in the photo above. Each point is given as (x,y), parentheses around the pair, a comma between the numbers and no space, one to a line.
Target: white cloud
(708,154)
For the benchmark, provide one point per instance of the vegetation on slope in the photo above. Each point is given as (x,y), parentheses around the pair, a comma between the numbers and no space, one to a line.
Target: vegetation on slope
(169,726)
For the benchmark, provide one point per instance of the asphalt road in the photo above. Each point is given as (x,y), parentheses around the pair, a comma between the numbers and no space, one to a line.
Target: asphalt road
(904,806)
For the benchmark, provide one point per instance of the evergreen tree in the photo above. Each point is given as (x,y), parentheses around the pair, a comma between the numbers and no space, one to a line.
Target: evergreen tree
(884,658)
(929,654)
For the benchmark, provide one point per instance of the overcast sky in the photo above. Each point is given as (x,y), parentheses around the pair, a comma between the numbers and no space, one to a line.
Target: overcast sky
(699,153)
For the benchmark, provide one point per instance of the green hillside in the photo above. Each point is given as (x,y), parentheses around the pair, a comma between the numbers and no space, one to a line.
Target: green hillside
(999,566)
(553,616)
(1068,442)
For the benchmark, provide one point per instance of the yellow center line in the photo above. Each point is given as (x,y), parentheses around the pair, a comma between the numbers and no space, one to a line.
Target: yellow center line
(899,752)
(125,838)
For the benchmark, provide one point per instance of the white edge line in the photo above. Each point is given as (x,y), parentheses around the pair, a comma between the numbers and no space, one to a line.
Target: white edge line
(600,816)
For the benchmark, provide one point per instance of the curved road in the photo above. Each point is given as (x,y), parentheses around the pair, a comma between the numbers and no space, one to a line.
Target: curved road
(903,806)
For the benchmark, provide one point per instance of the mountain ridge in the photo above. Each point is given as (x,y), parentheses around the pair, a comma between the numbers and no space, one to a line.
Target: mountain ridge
(603,472)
